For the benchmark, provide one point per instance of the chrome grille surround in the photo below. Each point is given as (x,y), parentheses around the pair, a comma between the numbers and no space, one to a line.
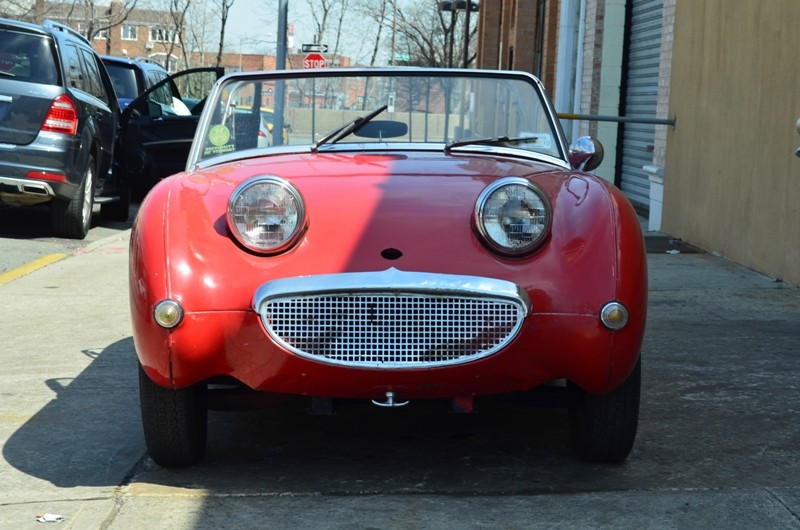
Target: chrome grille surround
(392,319)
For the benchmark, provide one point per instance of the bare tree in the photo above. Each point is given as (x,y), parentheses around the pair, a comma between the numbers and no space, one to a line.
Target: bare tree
(35,11)
(419,31)
(92,17)
(19,9)
(225,8)
(199,33)
(320,13)
(101,18)
(430,36)
(177,12)
(377,11)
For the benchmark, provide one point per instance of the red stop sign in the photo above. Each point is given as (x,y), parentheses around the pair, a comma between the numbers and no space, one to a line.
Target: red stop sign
(314,60)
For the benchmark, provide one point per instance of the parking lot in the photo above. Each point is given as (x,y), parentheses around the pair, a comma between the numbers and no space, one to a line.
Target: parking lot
(718,444)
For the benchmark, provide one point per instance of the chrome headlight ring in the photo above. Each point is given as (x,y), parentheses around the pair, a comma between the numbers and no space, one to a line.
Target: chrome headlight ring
(266,214)
(512,216)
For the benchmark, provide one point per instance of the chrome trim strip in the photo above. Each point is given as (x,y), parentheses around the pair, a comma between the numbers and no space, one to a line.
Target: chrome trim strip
(167,142)
(391,281)
(384,147)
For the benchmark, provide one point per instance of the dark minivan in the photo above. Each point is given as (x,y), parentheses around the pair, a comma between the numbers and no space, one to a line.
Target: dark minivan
(58,121)
(131,77)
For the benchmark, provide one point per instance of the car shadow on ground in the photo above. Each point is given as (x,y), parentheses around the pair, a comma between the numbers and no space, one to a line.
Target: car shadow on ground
(695,410)
(24,222)
(33,222)
(89,435)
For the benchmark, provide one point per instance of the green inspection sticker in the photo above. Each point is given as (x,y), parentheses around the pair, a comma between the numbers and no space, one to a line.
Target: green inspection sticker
(219,135)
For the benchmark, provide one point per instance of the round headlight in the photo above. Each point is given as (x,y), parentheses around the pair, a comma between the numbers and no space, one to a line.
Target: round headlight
(512,216)
(266,214)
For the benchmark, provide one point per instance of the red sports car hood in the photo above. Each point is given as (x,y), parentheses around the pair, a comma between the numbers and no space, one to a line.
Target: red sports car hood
(369,212)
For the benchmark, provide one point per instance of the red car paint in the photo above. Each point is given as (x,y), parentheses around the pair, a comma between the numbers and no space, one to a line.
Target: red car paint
(358,205)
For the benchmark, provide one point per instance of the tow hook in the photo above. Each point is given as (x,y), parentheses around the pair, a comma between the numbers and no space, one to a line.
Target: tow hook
(390,402)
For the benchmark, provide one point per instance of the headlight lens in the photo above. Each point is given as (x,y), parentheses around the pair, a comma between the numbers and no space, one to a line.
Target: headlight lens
(168,313)
(614,316)
(512,216)
(266,214)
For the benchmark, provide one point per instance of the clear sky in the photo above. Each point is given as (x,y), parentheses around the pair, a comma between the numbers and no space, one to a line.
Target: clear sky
(254,23)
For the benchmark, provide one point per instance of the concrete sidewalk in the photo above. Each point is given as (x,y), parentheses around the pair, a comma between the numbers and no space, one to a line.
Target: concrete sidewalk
(718,445)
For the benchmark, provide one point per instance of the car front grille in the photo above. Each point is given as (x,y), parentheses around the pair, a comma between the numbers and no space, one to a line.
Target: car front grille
(391,328)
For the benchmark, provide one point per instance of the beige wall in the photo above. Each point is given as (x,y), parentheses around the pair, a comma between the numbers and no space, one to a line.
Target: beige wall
(731,180)
(326,120)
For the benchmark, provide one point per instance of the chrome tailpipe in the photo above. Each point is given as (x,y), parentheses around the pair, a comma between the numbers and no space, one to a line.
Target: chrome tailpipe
(24,192)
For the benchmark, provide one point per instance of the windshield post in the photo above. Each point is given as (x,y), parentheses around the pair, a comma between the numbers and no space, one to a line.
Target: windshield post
(313,108)
(278,117)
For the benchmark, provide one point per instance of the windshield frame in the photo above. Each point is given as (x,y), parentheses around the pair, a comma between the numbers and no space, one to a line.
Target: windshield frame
(197,161)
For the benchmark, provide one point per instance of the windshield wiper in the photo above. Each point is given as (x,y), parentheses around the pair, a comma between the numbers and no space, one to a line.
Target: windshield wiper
(488,141)
(347,129)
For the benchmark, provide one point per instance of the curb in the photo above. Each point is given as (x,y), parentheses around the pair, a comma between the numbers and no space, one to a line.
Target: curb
(49,259)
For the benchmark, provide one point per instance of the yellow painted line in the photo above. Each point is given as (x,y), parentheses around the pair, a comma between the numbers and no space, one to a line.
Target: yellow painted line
(30,267)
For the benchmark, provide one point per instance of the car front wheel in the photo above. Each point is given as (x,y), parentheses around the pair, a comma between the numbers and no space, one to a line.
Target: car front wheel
(604,427)
(72,218)
(174,421)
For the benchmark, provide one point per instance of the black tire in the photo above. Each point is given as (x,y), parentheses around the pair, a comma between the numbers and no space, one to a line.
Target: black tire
(604,428)
(174,421)
(73,218)
(118,210)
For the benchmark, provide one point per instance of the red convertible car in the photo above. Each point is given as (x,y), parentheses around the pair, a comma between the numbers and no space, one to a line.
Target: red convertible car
(426,234)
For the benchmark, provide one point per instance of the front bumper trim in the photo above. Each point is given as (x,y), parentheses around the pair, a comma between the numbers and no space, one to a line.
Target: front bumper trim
(392,319)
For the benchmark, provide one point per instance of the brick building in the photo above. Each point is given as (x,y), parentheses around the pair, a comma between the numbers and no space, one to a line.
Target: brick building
(138,33)
(152,34)
(701,103)
(596,58)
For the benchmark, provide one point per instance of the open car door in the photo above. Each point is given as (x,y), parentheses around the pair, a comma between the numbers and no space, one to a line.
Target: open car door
(157,128)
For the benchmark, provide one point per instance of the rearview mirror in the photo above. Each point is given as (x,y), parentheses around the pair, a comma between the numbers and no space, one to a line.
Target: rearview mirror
(381,129)
(586,153)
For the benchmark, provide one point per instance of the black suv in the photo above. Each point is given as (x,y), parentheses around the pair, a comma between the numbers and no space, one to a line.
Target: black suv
(131,77)
(58,121)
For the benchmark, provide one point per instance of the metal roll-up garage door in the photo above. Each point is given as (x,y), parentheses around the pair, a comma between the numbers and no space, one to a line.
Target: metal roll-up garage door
(640,94)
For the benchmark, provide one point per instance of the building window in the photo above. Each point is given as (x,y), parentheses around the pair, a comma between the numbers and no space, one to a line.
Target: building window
(171,65)
(160,34)
(130,33)
(102,34)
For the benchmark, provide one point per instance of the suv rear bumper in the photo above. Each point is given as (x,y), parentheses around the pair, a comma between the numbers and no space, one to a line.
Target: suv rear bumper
(24,191)
(51,153)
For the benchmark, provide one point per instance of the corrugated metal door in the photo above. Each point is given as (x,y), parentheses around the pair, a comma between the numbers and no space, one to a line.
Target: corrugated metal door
(640,94)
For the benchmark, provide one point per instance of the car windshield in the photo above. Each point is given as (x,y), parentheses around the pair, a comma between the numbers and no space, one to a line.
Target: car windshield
(124,79)
(342,109)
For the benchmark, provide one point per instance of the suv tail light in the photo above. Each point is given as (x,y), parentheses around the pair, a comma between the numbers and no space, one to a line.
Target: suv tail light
(62,117)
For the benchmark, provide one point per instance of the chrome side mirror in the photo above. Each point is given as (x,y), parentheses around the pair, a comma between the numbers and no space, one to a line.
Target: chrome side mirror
(797,126)
(586,153)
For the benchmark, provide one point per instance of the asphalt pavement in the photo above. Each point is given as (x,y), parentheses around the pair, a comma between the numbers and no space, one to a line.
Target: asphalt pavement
(718,443)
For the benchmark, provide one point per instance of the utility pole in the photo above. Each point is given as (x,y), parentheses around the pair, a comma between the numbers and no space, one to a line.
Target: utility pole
(280,64)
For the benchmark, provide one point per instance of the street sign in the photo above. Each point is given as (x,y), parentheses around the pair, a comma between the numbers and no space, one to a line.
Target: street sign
(315,48)
(314,60)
